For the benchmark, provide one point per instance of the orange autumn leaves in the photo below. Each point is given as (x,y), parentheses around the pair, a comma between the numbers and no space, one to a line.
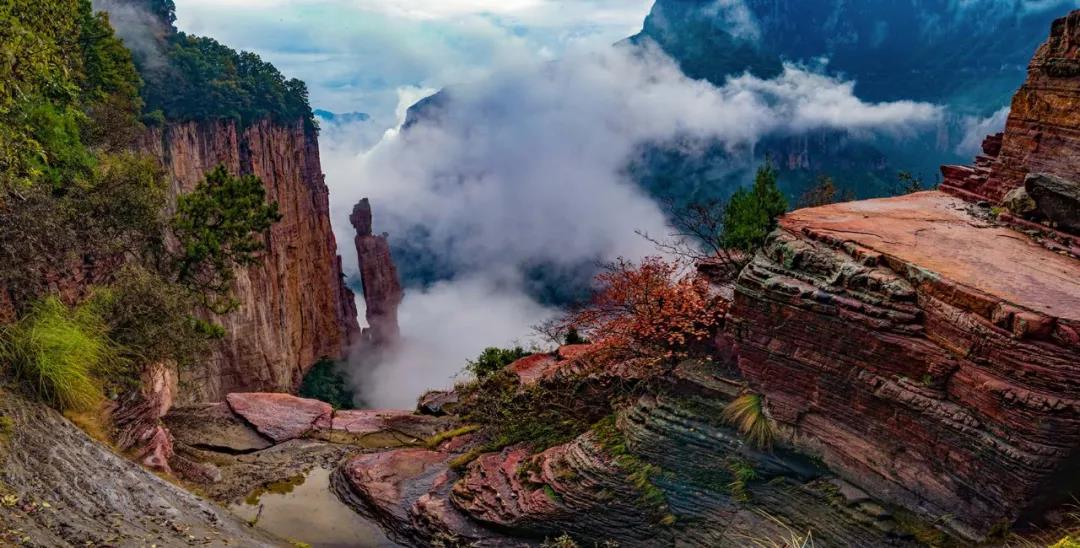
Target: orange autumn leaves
(652,309)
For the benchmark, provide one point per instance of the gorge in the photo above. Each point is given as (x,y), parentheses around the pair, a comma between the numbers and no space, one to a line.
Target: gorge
(893,371)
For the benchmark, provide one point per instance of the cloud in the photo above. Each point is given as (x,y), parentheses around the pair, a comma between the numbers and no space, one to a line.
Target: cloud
(527,168)
(444,326)
(355,54)
(138,29)
(975,129)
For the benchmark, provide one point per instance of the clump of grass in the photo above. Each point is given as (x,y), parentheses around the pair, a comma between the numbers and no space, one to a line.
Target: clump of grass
(562,541)
(742,472)
(7,427)
(788,538)
(747,413)
(59,353)
(438,439)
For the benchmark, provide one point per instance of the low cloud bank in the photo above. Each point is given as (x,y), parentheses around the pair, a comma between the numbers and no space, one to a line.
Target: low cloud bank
(528,167)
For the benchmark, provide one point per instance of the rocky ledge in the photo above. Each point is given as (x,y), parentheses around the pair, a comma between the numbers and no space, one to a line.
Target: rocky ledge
(921,350)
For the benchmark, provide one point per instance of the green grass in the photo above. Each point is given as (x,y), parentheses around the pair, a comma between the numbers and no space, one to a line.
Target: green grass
(437,440)
(59,354)
(747,413)
(742,472)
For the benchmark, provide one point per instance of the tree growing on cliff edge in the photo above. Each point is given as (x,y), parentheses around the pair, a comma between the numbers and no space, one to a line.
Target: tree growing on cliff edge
(220,226)
(751,213)
(724,235)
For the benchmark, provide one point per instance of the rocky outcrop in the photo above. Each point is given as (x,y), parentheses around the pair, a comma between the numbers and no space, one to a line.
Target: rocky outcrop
(1056,199)
(379,276)
(138,418)
(665,474)
(293,305)
(281,417)
(923,351)
(61,488)
(1042,134)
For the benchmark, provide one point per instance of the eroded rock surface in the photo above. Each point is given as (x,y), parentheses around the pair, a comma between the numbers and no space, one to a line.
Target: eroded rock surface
(925,352)
(70,490)
(379,276)
(282,417)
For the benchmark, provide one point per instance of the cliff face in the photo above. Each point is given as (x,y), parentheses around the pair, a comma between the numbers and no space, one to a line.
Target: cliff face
(294,307)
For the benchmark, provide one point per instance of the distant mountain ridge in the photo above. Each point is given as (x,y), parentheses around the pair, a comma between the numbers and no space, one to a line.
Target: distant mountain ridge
(970,54)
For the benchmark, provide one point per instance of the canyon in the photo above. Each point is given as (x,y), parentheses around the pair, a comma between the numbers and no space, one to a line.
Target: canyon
(916,359)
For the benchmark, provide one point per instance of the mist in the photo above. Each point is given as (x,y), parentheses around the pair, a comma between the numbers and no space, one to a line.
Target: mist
(528,168)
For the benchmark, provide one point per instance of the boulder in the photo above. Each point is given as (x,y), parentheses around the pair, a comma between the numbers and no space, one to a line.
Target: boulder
(281,417)
(1057,199)
(437,402)
(374,428)
(1019,202)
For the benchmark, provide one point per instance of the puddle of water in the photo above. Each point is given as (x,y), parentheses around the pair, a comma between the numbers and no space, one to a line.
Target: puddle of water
(304,509)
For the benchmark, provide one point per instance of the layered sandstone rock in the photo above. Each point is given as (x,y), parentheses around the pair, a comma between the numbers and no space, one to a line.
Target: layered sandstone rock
(513,497)
(379,276)
(294,307)
(925,352)
(1041,134)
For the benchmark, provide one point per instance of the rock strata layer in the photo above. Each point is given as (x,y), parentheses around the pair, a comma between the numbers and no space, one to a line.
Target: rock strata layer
(925,352)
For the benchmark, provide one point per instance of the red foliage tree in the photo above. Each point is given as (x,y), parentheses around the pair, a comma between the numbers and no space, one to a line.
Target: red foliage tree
(655,309)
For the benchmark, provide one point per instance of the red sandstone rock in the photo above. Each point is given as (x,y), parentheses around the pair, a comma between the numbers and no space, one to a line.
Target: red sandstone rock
(281,417)
(138,418)
(1041,132)
(375,428)
(532,369)
(294,306)
(382,287)
(573,351)
(926,354)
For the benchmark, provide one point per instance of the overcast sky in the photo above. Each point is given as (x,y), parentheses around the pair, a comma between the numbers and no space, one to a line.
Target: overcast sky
(355,55)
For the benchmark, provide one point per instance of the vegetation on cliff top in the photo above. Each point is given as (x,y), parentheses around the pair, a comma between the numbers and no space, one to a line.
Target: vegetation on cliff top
(197,78)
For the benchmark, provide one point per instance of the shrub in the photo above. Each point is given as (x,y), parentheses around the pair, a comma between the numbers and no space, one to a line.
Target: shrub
(325,382)
(747,413)
(59,354)
(149,319)
(651,310)
(542,416)
(492,360)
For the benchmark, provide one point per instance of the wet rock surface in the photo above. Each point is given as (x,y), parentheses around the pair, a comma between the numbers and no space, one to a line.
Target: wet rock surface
(69,490)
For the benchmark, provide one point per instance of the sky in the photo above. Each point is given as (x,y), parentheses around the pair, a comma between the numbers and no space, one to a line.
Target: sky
(355,55)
